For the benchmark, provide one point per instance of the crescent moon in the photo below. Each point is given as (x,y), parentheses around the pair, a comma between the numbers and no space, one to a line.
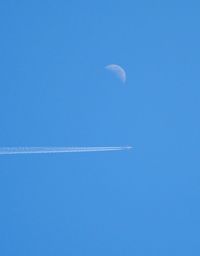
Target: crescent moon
(118,70)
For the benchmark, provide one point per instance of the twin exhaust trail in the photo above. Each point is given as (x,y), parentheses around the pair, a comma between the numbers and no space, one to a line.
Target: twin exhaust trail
(57,150)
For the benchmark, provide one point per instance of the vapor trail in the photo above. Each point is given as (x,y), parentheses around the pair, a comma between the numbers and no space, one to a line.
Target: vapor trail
(53,150)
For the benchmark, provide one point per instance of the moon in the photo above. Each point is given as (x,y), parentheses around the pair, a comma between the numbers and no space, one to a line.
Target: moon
(117,70)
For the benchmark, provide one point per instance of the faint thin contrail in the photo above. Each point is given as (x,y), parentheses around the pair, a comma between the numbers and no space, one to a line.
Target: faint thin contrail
(53,150)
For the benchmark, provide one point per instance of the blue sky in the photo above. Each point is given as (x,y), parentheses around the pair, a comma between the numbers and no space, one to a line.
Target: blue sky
(54,91)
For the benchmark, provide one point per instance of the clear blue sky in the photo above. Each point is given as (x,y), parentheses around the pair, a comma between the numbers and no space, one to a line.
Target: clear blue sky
(54,91)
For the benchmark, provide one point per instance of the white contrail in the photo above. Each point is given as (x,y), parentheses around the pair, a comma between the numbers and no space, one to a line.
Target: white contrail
(53,150)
